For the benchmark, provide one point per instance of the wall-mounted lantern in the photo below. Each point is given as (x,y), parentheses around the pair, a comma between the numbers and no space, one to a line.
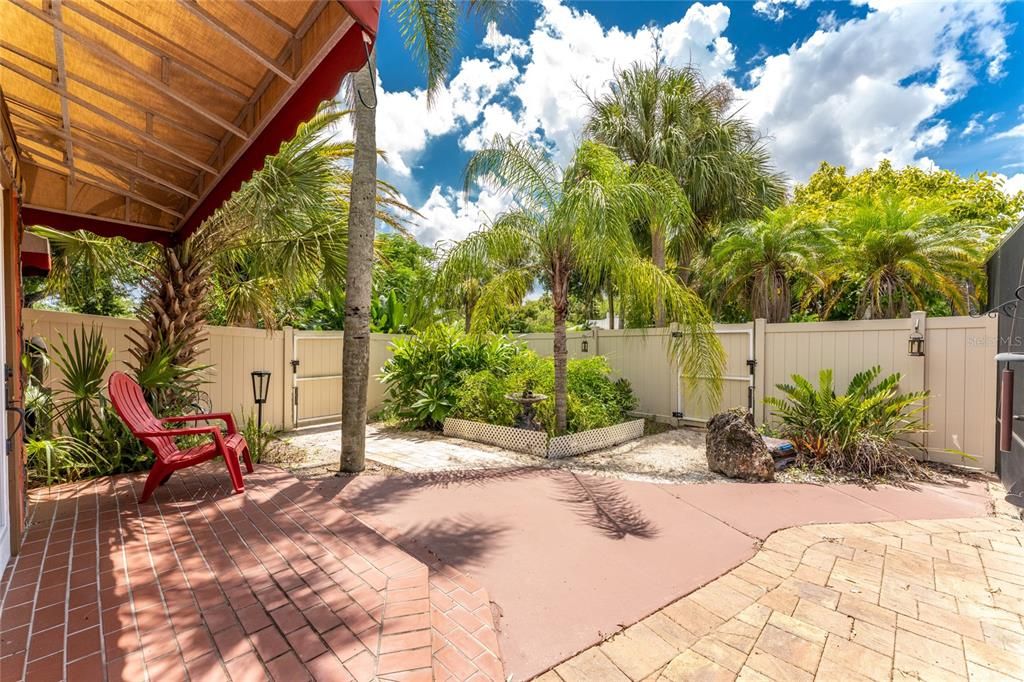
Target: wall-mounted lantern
(260,390)
(584,346)
(915,344)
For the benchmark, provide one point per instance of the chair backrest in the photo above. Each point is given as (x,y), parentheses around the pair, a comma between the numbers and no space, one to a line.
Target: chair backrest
(130,403)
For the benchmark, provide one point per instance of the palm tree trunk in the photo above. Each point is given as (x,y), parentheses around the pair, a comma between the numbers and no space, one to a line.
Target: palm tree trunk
(560,302)
(658,257)
(611,305)
(359,278)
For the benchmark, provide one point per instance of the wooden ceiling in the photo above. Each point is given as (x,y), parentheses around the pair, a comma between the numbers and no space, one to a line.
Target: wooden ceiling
(141,117)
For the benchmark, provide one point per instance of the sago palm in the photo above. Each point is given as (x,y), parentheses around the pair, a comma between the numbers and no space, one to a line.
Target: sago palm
(895,251)
(569,223)
(757,261)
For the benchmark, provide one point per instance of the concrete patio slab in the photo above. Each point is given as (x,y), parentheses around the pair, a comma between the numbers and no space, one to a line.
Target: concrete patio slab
(570,559)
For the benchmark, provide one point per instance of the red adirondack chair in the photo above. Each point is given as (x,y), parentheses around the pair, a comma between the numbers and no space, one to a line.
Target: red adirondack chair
(127,398)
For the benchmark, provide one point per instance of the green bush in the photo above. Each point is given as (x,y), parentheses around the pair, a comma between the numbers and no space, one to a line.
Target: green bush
(864,431)
(427,368)
(594,400)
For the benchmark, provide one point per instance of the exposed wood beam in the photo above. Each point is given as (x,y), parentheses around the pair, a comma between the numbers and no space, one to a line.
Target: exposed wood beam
(236,38)
(90,179)
(272,19)
(125,164)
(134,39)
(62,80)
(142,134)
(93,134)
(111,57)
(68,220)
(107,92)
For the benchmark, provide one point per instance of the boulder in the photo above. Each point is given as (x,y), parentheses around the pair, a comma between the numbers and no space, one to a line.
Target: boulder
(735,448)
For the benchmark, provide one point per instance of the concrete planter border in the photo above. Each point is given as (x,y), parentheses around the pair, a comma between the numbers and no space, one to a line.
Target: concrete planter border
(538,443)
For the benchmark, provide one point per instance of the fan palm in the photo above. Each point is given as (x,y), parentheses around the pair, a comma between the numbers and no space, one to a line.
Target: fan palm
(430,30)
(570,223)
(673,119)
(757,261)
(895,251)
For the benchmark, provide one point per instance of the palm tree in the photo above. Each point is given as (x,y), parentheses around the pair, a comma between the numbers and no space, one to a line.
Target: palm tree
(895,251)
(575,222)
(756,261)
(430,30)
(671,118)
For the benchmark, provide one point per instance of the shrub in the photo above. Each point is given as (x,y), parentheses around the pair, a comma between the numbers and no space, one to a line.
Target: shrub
(594,400)
(863,432)
(426,369)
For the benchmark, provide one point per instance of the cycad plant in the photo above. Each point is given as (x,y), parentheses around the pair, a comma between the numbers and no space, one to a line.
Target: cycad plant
(896,251)
(866,431)
(757,261)
(576,222)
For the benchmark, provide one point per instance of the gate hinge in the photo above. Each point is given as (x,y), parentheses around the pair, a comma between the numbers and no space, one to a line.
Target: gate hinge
(295,366)
(295,396)
(678,415)
(751,364)
(677,335)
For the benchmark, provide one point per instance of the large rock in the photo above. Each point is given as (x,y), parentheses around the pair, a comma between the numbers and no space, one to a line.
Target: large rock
(735,449)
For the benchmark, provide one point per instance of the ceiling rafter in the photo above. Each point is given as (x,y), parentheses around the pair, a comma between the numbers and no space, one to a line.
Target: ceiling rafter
(125,164)
(272,19)
(107,92)
(87,178)
(288,51)
(194,7)
(111,57)
(62,79)
(87,13)
(93,134)
(87,216)
(142,134)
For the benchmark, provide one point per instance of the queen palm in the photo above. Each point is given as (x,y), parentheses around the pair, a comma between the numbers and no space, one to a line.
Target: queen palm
(895,251)
(575,222)
(757,261)
(673,119)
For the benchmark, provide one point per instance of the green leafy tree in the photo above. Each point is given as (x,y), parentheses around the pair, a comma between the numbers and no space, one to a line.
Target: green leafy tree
(757,262)
(575,222)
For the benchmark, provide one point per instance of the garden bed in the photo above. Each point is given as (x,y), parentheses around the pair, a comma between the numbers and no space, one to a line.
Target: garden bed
(538,443)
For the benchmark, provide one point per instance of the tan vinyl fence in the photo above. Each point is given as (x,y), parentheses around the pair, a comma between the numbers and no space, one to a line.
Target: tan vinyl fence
(957,368)
(232,354)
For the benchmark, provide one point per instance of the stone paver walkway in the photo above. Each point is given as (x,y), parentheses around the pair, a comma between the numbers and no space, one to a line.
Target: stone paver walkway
(902,600)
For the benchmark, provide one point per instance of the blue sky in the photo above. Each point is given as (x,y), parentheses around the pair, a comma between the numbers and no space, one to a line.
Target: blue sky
(923,83)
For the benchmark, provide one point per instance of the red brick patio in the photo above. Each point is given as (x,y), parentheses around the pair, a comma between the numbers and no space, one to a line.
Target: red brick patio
(200,584)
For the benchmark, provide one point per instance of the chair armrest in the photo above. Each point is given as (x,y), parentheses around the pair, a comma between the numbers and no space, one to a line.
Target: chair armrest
(225,417)
(192,431)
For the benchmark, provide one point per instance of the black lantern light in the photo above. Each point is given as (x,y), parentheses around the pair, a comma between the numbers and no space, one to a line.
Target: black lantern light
(915,344)
(260,390)
(584,346)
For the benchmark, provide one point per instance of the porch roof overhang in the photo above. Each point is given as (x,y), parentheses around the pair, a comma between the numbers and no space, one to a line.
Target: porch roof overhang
(139,119)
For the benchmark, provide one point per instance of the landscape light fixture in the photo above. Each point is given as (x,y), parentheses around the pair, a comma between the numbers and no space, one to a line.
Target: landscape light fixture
(915,344)
(260,390)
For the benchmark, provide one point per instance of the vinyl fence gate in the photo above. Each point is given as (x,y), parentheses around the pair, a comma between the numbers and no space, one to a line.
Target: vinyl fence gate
(738,377)
(316,377)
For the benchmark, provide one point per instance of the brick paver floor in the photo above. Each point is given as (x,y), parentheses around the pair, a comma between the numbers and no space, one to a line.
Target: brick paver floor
(903,600)
(200,584)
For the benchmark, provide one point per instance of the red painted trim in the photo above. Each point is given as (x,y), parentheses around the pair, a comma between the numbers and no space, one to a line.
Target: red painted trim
(104,228)
(322,84)
(365,12)
(35,263)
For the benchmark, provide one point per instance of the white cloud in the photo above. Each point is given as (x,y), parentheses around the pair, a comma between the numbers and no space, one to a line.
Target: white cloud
(776,9)
(496,120)
(973,127)
(449,215)
(405,123)
(871,88)
(1016,131)
(1012,184)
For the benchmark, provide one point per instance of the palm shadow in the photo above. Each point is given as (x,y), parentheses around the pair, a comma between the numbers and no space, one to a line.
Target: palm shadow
(601,503)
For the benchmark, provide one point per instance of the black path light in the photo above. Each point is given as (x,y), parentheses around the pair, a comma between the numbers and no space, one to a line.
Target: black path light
(260,390)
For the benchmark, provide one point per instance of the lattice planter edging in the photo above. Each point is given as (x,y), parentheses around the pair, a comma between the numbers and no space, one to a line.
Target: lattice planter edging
(538,443)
